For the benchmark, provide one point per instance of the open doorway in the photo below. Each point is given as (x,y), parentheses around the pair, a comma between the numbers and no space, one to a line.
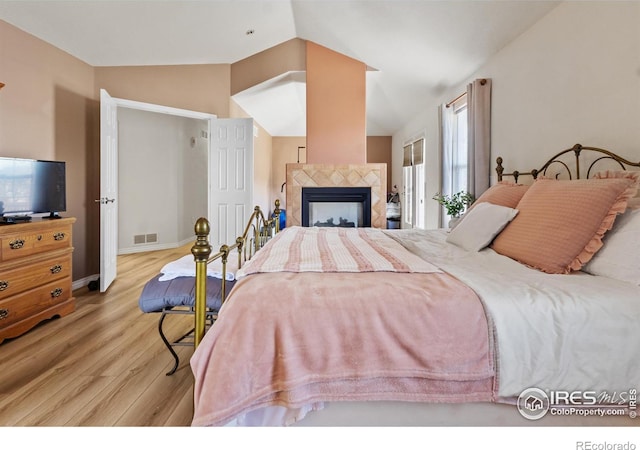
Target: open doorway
(228,178)
(162,179)
(109,174)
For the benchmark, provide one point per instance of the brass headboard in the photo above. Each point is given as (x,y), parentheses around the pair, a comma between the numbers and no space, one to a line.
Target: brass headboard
(598,156)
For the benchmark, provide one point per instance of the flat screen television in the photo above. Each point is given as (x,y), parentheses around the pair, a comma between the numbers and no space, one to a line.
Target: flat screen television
(30,186)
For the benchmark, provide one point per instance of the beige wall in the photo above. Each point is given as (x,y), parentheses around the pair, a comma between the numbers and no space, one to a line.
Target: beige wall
(379,151)
(285,150)
(203,88)
(286,57)
(47,111)
(336,108)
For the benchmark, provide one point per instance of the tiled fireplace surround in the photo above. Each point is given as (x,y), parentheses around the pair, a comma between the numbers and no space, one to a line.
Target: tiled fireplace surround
(343,175)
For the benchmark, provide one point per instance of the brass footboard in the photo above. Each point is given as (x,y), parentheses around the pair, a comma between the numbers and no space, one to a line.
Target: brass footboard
(256,233)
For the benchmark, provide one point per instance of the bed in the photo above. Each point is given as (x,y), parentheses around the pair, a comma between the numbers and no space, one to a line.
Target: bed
(534,297)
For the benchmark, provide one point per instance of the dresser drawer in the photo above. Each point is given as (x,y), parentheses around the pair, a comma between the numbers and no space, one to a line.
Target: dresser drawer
(29,303)
(21,279)
(19,245)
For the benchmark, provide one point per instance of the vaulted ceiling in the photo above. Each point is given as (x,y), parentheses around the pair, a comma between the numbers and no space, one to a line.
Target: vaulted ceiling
(419,48)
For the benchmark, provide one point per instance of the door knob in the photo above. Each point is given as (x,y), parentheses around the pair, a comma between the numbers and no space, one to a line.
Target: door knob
(105,200)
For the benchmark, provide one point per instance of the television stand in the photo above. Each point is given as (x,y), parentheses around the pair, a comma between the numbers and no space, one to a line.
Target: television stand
(52,215)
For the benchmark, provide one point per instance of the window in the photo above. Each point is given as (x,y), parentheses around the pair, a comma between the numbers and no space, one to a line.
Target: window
(455,166)
(17,180)
(413,180)
(459,163)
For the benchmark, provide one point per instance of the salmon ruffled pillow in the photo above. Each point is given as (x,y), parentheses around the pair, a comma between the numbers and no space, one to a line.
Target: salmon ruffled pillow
(634,203)
(505,193)
(561,223)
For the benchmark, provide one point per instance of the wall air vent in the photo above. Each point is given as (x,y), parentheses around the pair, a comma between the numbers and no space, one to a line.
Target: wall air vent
(145,238)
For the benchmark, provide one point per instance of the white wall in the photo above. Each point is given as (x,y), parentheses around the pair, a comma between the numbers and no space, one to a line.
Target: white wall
(574,77)
(162,178)
(193,203)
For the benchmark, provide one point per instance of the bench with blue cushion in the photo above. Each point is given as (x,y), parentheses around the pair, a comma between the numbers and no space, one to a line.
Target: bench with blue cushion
(177,296)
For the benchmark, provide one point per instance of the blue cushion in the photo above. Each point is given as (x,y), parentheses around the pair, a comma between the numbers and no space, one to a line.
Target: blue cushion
(180,291)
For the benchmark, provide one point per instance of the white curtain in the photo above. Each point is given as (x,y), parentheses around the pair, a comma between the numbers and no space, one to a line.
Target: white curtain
(446,150)
(479,132)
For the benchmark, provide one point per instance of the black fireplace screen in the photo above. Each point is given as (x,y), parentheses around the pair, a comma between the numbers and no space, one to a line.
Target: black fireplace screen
(336,206)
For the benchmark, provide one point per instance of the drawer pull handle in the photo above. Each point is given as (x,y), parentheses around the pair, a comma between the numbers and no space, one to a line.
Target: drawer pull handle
(16,244)
(4,285)
(56,269)
(4,313)
(58,236)
(57,292)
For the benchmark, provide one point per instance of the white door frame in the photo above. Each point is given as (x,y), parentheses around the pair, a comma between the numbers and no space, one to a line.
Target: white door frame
(150,107)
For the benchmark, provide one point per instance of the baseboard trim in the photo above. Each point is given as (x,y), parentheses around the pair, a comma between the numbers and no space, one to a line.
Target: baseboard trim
(153,247)
(77,284)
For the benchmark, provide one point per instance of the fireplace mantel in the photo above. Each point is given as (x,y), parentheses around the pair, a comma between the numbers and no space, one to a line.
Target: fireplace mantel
(343,175)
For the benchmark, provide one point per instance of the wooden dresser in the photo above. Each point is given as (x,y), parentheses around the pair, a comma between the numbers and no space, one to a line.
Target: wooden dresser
(35,274)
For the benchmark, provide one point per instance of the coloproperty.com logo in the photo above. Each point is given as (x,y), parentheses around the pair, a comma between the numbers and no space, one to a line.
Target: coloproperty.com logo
(534,403)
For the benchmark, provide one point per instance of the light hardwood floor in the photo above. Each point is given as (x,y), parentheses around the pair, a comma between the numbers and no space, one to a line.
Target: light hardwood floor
(104,364)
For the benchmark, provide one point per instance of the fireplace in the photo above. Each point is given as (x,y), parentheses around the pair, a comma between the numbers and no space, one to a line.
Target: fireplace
(372,176)
(347,207)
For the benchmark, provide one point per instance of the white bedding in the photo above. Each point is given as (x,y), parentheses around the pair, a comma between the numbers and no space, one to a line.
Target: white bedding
(185,267)
(555,332)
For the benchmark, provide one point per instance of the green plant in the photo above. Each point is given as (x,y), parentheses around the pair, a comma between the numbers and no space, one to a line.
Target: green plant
(456,203)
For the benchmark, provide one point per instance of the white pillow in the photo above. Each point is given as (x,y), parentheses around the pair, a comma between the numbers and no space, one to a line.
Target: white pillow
(619,257)
(480,225)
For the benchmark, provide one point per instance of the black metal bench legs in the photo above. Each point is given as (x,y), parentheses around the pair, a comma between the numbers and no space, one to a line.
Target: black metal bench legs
(186,339)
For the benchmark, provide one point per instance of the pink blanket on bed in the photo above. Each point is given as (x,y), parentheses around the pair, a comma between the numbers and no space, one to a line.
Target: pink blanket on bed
(295,338)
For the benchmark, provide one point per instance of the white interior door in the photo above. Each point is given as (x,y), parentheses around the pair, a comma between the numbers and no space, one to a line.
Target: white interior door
(108,190)
(231,179)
